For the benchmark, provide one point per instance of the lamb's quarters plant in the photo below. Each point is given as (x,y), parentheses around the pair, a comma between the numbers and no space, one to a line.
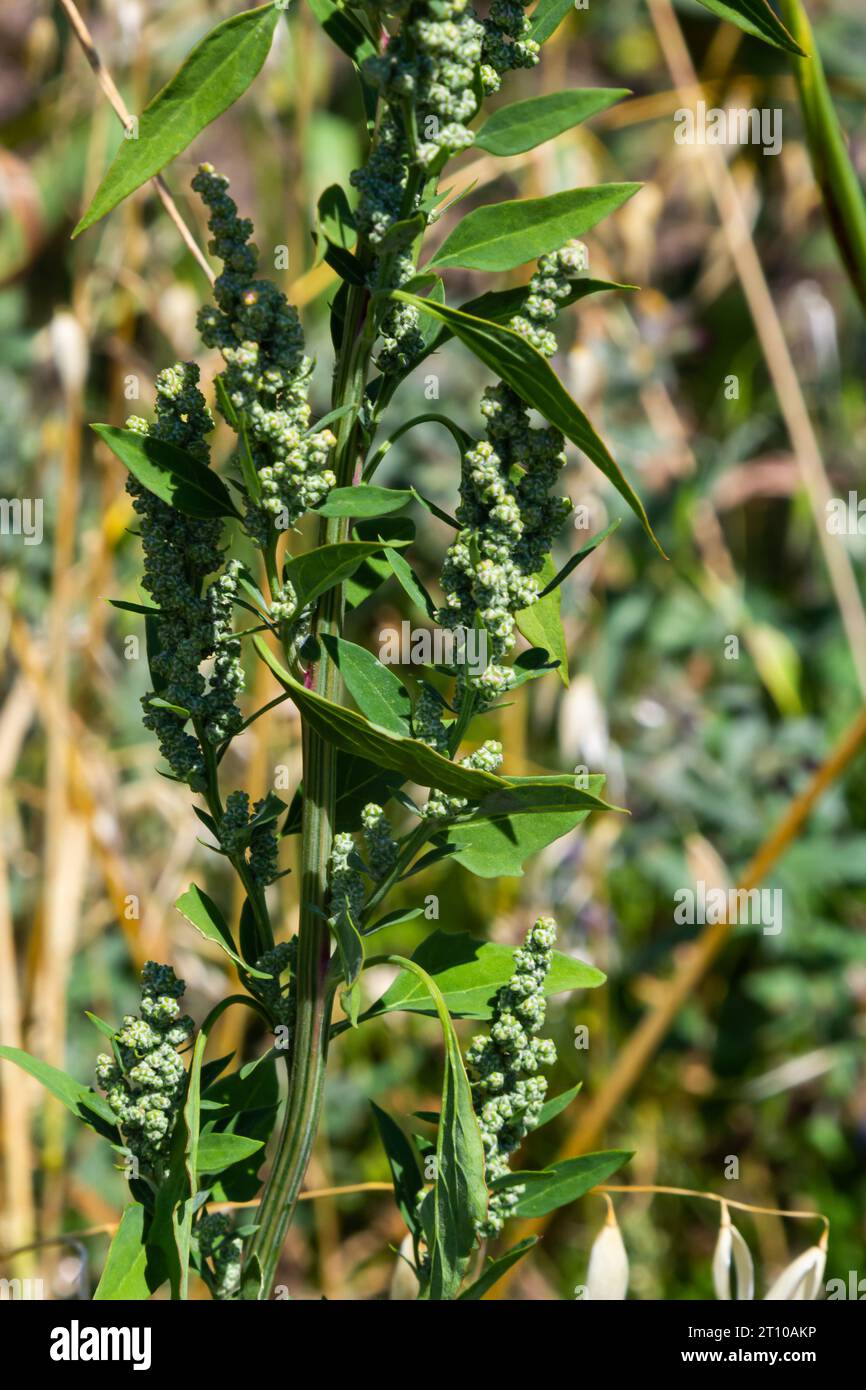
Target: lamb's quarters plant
(393,778)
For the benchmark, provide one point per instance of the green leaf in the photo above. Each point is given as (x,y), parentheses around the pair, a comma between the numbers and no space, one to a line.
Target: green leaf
(377,692)
(395,530)
(219,1151)
(216,73)
(409,582)
(555,1106)
(170,473)
(350,944)
(563,1182)
(127,607)
(504,235)
(403,1164)
(494,846)
(468,972)
(316,571)
(497,1267)
(354,734)
(531,376)
(249,1099)
(835,173)
(451,1213)
(202,913)
(592,544)
(84,1103)
(364,500)
(757,18)
(344,29)
(335,222)
(541,622)
(547,17)
(525,124)
(125,1276)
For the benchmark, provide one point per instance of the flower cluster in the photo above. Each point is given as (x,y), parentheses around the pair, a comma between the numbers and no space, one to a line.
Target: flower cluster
(426,76)
(266,377)
(145,1078)
(179,552)
(487,758)
(278,998)
(224,1250)
(503,1066)
(507,516)
(381,846)
(347,886)
(506,44)
(242,835)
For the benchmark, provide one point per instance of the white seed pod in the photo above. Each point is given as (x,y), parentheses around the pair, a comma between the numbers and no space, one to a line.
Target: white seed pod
(404,1280)
(802,1278)
(607,1276)
(731,1249)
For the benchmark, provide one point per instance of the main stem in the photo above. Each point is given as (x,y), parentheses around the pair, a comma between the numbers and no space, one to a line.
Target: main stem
(314,994)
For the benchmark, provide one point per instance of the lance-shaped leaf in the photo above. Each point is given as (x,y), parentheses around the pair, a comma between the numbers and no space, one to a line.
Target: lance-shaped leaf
(563,1182)
(358,782)
(547,17)
(525,124)
(453,1210)
(579,556)
(504,235)
(202,912)
(514,824)
(555,1106)
(354,734)
(541,622)
(496,1268)
(84,1103)
(171,474)
(216,73)
(754,17)
(364,500)
(378,693)
(468,972)
(835,174)
(403,1162)
(524,369)
(315,571)
(129,1273)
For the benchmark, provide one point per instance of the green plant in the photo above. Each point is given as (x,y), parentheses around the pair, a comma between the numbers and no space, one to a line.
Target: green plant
(215,544)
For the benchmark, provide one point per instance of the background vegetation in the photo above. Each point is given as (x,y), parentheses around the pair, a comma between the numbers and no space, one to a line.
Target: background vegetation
(765,1060)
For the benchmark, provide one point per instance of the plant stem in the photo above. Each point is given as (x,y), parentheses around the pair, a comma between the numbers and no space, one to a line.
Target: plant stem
(314,991)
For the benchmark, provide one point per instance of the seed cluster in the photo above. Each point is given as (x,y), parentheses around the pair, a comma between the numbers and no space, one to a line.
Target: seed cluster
(426,77)
(381,846)
(145,1078)
(277,997)
(506,43)
(507,516)
(224,1250)
(487,758)
(256,844)
(194,623)
(347,885)
(267,375)
(503,1067)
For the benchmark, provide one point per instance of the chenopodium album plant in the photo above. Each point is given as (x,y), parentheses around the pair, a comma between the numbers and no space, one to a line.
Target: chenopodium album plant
(223,587)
